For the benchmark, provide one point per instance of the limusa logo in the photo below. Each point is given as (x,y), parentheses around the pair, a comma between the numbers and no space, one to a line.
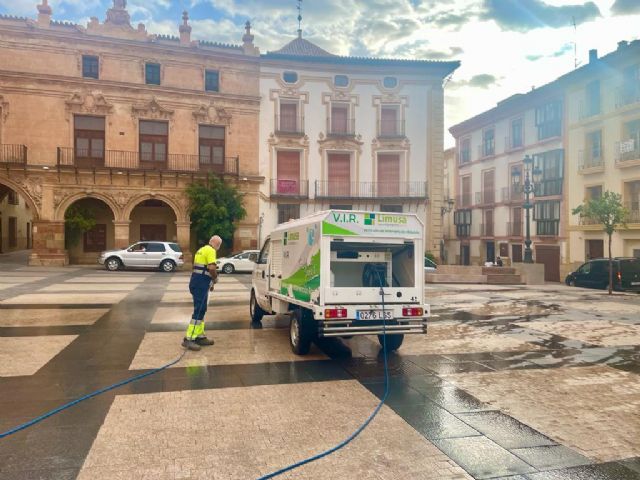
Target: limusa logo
(369,218)
(392,219)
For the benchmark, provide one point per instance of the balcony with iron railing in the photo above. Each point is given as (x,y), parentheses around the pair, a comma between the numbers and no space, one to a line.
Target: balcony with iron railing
(514,229)
(486,230)
(486,197)
(464,157)
(628,153)
(289,125)
(464,200)
(589,109)
(341,127)
(590,162)
(513,194)
(547,228)
(513,144)
(487,150)
(389,128)
(463,230)
(628,94)
(549,187)
(371,190)
(124,160)
(285,188)
(13,154)
(634,211)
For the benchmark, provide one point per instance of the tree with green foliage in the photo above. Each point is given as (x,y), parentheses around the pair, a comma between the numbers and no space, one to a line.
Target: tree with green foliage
(78,219)
(215,207)
(608,211)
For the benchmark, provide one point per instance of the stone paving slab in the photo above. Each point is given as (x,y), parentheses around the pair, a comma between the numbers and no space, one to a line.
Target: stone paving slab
(232,347)
(10,278)
(460,338)
(65,298)
(243,433)
(593,410)
(82,287)
(168,315)
(605,333)
(18,357)
(625,306)
(220,287)
(49,317)
(185,296)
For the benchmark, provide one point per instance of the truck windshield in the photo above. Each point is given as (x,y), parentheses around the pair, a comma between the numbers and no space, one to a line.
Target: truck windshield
(357,265)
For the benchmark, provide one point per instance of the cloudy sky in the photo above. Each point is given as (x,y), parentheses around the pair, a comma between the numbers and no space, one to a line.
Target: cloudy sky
(506,46)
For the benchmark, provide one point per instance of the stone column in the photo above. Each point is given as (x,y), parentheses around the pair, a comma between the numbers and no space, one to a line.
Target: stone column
(121,233)
(183,232)
(48,244)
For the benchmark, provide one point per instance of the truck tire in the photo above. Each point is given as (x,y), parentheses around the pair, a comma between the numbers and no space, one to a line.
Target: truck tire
(393,341)
(301,331)
(255,310)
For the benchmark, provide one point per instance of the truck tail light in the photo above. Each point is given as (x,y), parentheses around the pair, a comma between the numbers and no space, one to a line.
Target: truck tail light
(619,277)
(412,312)
(330,313)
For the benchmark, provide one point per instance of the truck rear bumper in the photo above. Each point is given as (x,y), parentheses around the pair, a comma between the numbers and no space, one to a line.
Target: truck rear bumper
(349,327)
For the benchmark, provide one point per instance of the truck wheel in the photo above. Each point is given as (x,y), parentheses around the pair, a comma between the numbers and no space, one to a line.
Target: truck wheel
(301,332)
(393,341)
(254,309)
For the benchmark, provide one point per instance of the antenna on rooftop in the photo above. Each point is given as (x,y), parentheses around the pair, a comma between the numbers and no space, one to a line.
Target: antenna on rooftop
(575,43)
(299,8)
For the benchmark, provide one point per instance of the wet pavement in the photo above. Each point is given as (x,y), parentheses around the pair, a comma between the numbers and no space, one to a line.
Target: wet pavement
(510,383)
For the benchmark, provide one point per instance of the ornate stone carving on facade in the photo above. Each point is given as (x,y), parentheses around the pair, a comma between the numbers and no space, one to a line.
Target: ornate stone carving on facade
(122,198)
(4,107)
(402,143)
(288,142)
(94,103)
(33,187)
(117,24)
(118,15)
(152,109)
(212,114)
(340,143)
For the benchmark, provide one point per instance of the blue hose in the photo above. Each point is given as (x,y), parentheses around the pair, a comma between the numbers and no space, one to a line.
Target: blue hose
(87,397)
(366,423)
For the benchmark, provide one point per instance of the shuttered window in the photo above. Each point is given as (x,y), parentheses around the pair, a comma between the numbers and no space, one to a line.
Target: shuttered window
(288,172)
(389,175)
(339,174)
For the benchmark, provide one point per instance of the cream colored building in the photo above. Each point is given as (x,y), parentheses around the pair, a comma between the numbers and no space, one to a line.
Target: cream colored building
(489,175)
(603,137)
(351,133)
(110,117)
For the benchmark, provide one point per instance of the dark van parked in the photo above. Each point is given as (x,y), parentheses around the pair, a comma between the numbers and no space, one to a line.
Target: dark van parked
(595,274)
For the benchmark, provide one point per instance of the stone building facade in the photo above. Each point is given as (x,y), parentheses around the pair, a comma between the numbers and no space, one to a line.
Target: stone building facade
(111,115)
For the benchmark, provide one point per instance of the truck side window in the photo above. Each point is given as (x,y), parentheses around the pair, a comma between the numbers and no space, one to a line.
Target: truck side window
(264,253)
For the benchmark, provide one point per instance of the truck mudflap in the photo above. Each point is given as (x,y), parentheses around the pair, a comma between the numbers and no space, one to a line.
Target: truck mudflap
(351,327)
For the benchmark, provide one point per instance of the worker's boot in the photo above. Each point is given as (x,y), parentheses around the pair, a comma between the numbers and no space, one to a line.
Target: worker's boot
(190,345)
(204,342)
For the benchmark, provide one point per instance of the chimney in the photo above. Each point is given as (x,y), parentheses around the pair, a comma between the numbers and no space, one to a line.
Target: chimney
(622,44)
(185,30)
(44,14)
(593,55)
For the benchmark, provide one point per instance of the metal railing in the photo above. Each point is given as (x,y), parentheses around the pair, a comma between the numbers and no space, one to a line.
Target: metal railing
(124,160)
(549,228)
(486,197)
(487,150)
(512,144)
(512,194)
(515,229)
(628,150)
(464,157)
(289,125)
(628,94)
(588,160)
(588,109)
(486,230)
(289,188)
(391,190)
(341,127)
(463,230)
(13,154)
(463,200)
(634,211)
(391,128)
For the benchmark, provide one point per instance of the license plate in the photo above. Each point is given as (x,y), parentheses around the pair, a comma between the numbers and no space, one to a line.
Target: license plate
(374,315)
(635,283)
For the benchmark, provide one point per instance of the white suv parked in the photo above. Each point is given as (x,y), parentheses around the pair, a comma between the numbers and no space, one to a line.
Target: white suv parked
(166,256)
(239,262)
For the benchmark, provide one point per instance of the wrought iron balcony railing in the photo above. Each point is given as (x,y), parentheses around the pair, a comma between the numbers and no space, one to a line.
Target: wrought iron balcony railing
(289,125)
(289,188)
(13,154)
(124,160)
(384,190)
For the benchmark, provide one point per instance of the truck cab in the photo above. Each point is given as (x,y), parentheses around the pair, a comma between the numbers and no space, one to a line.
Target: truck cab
(340,274)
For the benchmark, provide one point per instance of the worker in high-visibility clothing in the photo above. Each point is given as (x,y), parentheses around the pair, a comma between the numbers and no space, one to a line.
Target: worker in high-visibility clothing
(202,279)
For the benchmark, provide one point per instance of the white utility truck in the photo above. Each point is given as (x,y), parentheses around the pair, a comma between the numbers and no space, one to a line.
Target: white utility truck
(330,270)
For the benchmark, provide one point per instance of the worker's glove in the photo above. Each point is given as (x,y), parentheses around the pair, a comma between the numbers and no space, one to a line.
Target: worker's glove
(211,287)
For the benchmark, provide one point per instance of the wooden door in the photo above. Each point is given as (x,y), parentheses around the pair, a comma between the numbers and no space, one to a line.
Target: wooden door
(488,187)
(13,232)
(388,175)
(288,173)
(466,191)
(488,223)
(516,253)
(339,175)
(95,240)
(595,249)
(549,255)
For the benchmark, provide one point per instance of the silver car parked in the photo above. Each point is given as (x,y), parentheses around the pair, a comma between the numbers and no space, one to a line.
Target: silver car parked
(166,256)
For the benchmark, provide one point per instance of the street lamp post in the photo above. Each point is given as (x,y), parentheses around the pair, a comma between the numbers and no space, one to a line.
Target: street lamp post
(531,178)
